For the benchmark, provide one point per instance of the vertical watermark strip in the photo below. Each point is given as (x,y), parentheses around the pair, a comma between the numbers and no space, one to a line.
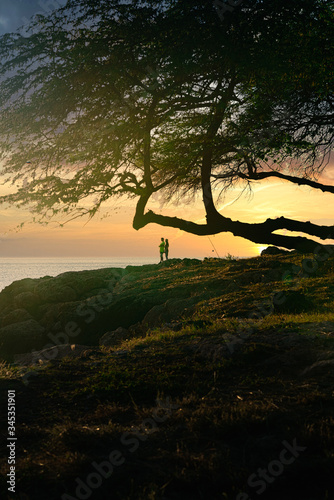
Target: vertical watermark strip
(11,444)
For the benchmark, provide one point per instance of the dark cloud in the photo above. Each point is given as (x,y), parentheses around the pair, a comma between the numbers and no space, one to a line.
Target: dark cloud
(17,13)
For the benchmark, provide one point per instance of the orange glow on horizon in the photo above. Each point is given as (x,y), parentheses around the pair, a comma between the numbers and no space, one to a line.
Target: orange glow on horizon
(114,236)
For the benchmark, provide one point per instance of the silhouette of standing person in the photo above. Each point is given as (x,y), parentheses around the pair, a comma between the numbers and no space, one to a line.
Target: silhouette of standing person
(162,249)
(166,248)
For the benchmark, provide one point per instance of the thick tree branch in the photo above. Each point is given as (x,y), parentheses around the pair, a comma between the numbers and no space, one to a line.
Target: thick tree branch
(261,233)
(297,180)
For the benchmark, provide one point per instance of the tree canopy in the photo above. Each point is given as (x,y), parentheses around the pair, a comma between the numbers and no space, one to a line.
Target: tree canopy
(108,98)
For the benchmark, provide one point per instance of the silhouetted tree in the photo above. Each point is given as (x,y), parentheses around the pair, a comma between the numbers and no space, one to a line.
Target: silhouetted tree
(106,98)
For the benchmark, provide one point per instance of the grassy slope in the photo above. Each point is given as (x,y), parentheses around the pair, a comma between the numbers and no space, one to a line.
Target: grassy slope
(232,387)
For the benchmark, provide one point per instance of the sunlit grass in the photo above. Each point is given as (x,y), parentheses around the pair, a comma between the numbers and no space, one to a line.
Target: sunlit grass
(8,371)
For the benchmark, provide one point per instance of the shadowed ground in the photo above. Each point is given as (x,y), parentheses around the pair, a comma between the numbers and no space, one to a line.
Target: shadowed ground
(232,399)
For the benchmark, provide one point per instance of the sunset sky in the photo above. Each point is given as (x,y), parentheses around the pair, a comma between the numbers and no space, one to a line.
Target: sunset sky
(114,236)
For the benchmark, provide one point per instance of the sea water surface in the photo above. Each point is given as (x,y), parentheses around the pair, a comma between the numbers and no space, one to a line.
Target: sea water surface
(15,268)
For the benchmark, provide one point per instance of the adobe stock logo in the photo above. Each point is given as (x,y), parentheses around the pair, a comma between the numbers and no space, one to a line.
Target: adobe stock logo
(262,477)
(84,488)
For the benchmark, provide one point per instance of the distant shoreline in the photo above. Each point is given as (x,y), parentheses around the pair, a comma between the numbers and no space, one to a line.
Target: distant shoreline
(16,268)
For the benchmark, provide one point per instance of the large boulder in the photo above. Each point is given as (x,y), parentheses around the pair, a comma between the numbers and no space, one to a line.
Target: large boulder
(273,251)
(110,339)
(322,367)
(291,301)
(28,301)
(53,305)
(54,291)
(18,295)
(169,311)
(15,316)
(81,284)
(21,337)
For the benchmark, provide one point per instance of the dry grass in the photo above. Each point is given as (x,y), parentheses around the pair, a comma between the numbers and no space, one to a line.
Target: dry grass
(195,412)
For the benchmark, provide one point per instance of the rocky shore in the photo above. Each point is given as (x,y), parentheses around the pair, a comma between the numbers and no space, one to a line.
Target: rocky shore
(107,306)
(94,307)
(199,374)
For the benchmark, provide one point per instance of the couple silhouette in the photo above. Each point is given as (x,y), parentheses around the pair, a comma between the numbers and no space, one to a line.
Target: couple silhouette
(164,248)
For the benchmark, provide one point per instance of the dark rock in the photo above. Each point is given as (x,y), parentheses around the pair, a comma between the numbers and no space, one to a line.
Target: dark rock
(55,316)
(27,300)
(127,310)
(291,301)
(21,337)
(11,292)
(85,283)
(273,251)
(212,350)
(83,306)
(140,269)
(110,339)
(15,316)
(53,291)
(170,310)
(322,367)
(91,303)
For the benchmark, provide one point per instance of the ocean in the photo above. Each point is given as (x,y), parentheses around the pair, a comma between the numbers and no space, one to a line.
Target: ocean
(14,268)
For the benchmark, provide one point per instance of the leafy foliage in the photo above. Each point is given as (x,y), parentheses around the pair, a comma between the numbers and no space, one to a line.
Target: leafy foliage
(106,98)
